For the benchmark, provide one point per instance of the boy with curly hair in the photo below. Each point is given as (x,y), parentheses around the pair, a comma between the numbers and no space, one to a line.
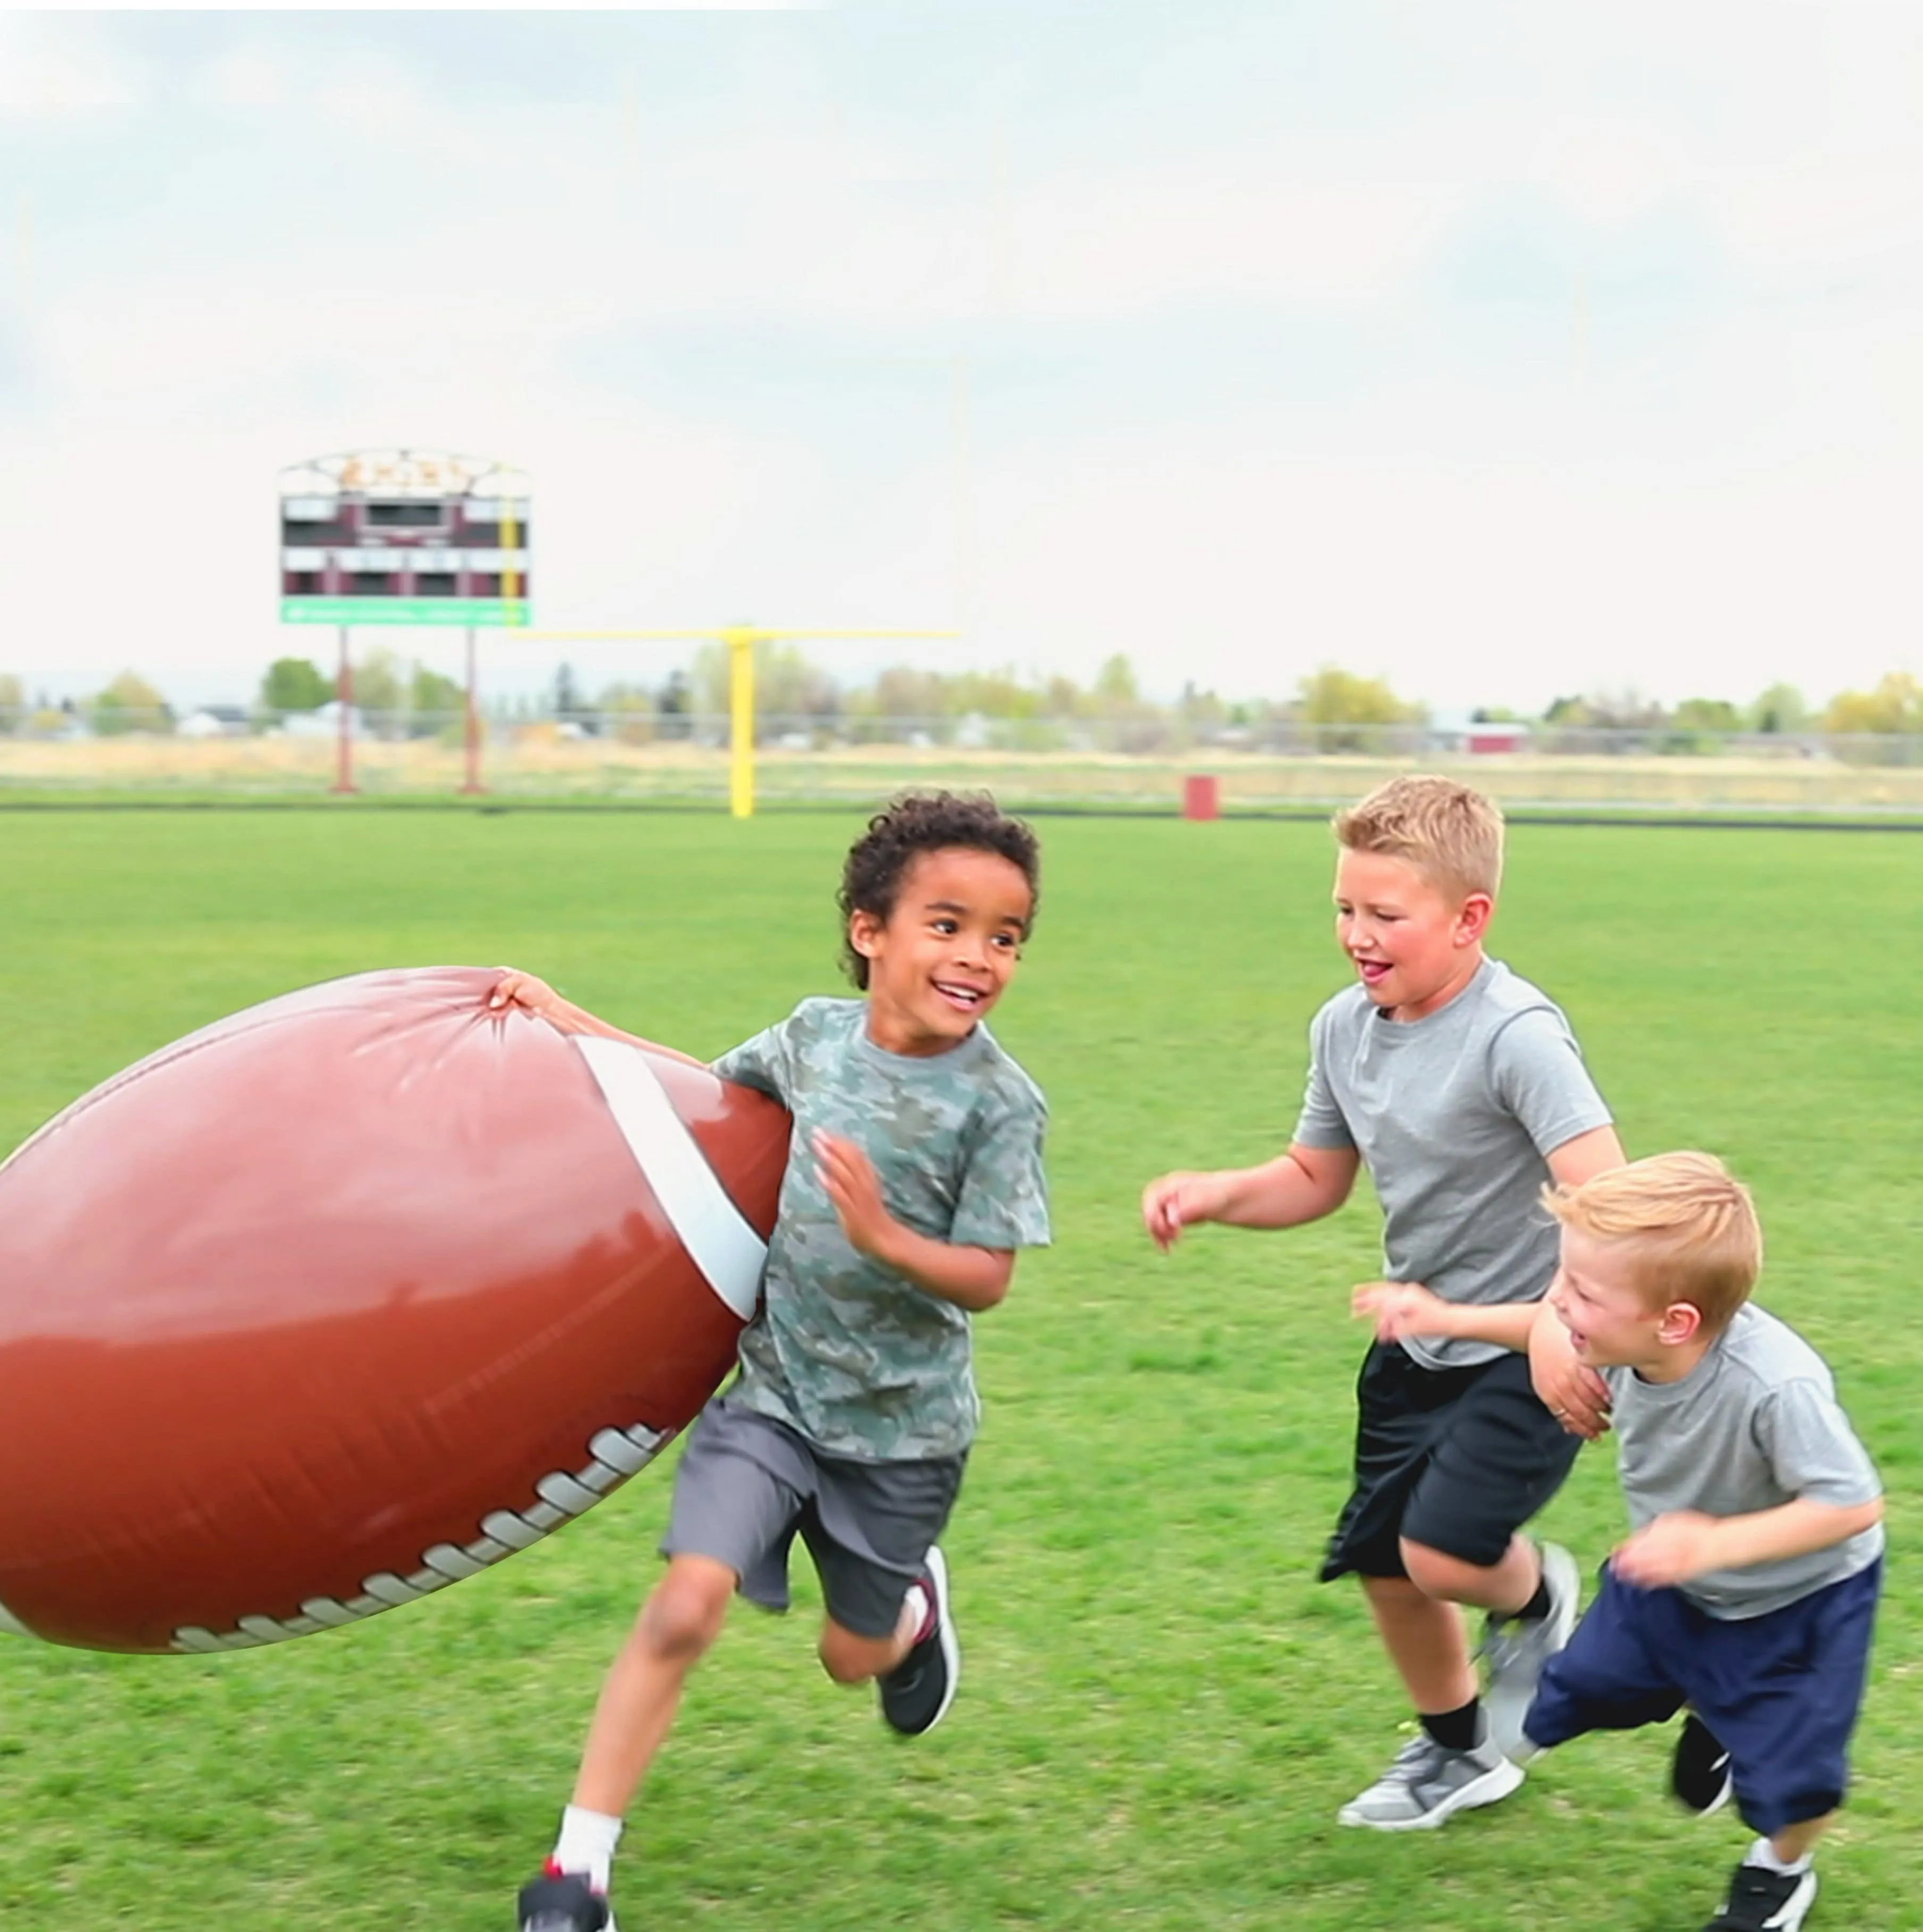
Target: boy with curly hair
(914,1175)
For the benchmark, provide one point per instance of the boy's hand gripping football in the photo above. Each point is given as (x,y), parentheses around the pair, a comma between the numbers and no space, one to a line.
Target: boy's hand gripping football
(517,988)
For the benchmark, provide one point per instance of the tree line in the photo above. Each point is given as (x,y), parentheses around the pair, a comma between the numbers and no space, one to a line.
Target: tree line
(792,685)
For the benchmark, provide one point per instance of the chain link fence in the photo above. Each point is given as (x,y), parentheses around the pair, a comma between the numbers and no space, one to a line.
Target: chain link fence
(1134,761)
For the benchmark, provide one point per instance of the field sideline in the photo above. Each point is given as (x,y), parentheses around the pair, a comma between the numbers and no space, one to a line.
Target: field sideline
(1162,1710)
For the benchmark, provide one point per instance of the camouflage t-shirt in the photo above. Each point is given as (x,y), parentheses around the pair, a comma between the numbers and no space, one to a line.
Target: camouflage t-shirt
(853,1354)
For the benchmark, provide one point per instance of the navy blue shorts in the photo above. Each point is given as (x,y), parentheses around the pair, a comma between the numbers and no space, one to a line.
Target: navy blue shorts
(1780,1690)
(1457,1459)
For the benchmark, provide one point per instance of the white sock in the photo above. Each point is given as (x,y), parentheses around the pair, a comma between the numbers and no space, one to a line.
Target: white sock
(921,1604)
(1764,1854)
(586,1844)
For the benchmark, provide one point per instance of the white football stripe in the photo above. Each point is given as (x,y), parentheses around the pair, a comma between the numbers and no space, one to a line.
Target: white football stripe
(727,1251)
(11,1624)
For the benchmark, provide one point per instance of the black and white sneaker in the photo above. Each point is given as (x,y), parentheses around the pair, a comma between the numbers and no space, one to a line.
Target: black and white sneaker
(1699,1780)
(1763,1900)
(916,1693)
(561,1901)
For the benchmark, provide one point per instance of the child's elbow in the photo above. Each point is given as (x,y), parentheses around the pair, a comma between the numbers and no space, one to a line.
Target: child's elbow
(994,1283)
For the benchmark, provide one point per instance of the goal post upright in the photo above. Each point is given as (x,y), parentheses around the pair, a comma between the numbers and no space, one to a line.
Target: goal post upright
(742,640)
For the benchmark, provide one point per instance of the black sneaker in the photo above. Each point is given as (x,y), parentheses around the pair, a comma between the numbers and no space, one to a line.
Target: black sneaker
(562,1902)
(1763,1900)
(916,1693)
(1699,1780)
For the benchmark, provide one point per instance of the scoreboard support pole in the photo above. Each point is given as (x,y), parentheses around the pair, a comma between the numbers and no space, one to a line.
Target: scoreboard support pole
(343,687)
(471,786)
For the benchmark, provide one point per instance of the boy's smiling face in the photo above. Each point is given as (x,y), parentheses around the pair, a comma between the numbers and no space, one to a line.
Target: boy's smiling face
(1611,1322)
(940,960)
(1414,946)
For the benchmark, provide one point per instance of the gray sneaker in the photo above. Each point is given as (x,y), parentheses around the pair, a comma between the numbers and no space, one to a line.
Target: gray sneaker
(1428,1783)
(1515,1650)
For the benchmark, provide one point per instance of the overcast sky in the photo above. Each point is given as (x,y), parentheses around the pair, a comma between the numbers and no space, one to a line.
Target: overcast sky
(1503,350)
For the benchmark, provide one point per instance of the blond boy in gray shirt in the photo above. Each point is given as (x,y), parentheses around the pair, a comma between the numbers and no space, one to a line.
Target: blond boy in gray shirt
(1460,1086)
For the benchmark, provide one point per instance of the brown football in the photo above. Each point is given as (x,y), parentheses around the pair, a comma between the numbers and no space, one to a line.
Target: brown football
(349,1296)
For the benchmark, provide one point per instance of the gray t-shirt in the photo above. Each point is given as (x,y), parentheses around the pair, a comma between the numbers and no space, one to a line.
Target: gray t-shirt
(1755,1424)
(855,1357)
(1455,1116)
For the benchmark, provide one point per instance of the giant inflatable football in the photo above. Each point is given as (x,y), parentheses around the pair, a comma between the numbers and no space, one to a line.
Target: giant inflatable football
(349,1296)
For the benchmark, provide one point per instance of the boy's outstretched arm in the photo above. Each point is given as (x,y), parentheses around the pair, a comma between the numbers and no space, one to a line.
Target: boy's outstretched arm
(972,1278)
(1577,1396)
(1302,1185)
(515,988)
(1673,1548)
(1400,1308)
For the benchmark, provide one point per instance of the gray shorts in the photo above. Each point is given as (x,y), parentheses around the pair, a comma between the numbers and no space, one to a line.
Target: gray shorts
(747,1483)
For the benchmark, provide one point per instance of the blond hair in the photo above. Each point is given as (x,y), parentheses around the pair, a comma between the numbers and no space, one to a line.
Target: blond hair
(1450,832)
(1690,1224)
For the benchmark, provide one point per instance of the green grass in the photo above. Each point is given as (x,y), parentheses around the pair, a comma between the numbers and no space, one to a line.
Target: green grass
(1162,1710)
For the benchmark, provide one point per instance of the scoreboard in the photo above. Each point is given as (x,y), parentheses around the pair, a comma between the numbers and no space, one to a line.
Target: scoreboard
(404,536)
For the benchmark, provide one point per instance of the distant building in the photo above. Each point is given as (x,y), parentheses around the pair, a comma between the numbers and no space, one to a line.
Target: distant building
(215,721)
(324,723)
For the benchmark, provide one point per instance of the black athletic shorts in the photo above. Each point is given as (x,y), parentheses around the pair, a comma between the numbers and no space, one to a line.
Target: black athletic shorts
(1457,1459)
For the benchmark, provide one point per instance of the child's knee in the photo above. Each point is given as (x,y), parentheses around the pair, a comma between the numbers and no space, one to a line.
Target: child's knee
(683,1615)
(1437,1573)
(850,1659)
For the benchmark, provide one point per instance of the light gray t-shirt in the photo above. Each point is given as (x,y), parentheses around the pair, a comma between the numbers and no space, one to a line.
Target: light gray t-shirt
(855,1357)
(1455,1116)
(1755,1424)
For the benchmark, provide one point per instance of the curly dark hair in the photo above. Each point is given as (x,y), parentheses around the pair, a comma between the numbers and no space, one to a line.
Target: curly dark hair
(915,822)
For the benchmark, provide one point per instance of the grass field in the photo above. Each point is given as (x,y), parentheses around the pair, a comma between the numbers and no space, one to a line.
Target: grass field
(1162,1710)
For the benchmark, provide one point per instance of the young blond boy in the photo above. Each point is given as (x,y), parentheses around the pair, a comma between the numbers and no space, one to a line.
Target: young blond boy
(1461,1088)
(1747,1587)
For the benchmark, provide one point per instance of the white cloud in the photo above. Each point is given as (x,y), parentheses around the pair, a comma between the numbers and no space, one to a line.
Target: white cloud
(246,77)
(1610,172)
(52,64)
(1822,218)
(1276,226)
